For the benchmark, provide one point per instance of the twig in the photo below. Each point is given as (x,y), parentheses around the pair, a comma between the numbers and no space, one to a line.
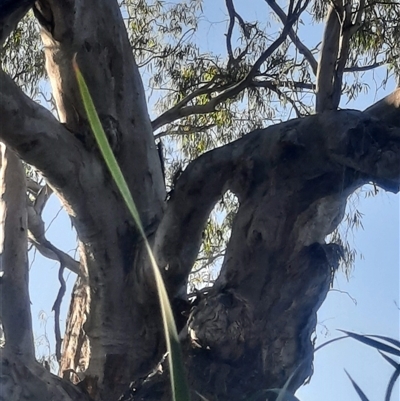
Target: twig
(303,49)
(56,308)
(184,131)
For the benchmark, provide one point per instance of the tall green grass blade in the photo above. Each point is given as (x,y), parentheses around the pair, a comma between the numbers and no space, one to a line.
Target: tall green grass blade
(283,393)
(373,343)
(389,340)
(390,360)
(329,342)
(360,393)
(392,382)
(180,390)
(201,397)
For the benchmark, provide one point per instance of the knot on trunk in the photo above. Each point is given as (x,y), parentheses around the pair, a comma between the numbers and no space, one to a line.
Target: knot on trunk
(221,323)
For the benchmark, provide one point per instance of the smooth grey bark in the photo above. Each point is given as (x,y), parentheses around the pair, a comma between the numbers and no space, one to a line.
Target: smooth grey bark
(15,313)
(21,377)
(252,330)
(342,23)
(109,242)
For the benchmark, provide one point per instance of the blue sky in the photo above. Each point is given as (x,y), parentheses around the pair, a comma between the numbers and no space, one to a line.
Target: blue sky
(365,304)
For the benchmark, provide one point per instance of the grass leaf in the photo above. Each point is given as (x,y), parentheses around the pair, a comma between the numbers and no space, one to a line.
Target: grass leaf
(373,343)
(360,393)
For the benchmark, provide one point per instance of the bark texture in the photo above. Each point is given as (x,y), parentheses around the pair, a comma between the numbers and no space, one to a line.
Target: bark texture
(252,330)
(16,321)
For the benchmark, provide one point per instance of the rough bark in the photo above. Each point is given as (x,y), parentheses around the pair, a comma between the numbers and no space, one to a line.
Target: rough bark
(252,330)
(292,181)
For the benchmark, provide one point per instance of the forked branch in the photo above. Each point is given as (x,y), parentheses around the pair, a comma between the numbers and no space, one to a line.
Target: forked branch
(301,47)
(246,164)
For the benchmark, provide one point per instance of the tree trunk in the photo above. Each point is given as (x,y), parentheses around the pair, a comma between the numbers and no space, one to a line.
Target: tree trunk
(252,330)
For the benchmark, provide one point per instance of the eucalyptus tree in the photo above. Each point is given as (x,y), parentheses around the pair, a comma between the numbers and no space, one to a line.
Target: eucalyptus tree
(282,187)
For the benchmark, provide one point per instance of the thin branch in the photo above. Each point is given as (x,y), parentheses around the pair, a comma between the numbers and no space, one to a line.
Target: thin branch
(208,261)
(33,186)
(232,16)
(41,199)
(303,49)
(56,308)
(275,88)
(231,12)
(184,130)
(288,99)
(363,68)
(344,292)
(161,56)
(36,234)
(282,84)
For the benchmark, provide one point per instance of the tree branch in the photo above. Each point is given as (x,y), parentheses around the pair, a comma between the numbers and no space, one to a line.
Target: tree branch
(327,65)
(232,13)
(232,16)
(335,52)
(37,137)
(56,308)
(33,186)
(11,12)
(387,109)
(363,68)
(304,50)
(240,165)
(282,84)
(15,313)
(184,130)
(36,235)
(180,111)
